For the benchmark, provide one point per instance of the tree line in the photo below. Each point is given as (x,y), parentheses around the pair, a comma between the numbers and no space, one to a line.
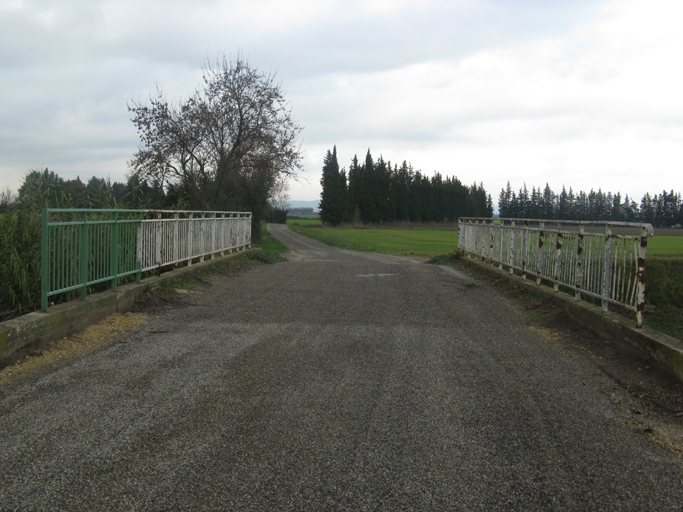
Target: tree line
(376,192)
(42,188)
(660,210)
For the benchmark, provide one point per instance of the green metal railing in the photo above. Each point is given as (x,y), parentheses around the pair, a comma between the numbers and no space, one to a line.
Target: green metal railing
(81,248)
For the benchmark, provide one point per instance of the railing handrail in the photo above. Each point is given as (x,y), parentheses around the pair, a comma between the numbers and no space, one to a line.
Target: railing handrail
(638,225)
(91,210)
(247,214)
(80,251)
(605,265)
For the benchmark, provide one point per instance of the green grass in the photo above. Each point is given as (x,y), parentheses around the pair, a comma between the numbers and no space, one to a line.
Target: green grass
(411,242)
(668,320)
(665,244)
(270,244)
(664,281)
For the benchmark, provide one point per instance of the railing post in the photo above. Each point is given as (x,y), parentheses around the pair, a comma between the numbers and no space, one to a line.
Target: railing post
(176,241)
(511,256)
(642,250)
(249,216)
(138,275)
(541,240)
(202,237)
(525,248)
(157,239)
(114,258)
(491,244)
(482,239)
(502,243)
(558,259)
(44,259)
(213,235)
(190,231)
(607,272)
(83,255)
(223,237)
(579,261)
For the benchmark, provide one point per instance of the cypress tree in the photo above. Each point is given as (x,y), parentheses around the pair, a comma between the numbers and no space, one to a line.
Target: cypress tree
(333,198)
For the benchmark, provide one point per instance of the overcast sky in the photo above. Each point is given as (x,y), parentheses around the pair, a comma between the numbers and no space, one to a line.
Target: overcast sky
(585,93)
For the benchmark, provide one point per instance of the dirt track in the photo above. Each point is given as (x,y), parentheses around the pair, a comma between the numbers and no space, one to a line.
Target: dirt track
(336,381)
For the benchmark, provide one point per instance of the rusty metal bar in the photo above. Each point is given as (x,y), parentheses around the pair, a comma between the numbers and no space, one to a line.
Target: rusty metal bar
(642,251)
(512,248)
(525,248)
(606,278)
(591,263)
(491,244)
(579,262)
(558,262)
(541,238)
(502,238)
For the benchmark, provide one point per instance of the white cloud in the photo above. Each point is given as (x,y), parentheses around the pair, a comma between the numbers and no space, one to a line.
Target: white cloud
(600,107)
(487,90)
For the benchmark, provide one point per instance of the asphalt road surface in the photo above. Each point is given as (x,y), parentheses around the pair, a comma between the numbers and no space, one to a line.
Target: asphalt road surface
(335,381)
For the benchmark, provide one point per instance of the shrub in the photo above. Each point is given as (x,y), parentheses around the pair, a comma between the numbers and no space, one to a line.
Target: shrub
(445,259)
(265,257)
(664,281)
(19,263)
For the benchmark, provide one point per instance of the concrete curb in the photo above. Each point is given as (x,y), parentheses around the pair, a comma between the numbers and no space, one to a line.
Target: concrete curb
(22,334)
(653,344)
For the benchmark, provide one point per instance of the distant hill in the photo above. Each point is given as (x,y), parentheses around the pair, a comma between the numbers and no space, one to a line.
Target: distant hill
(304,204)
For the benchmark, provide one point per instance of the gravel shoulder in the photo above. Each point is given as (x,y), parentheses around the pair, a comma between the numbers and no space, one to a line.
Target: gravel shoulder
(335,381)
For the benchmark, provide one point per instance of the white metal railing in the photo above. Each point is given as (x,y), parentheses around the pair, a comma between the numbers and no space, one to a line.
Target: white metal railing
(604,265)
(168,237)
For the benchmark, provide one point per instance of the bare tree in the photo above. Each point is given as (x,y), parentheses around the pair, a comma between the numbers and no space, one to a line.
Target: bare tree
(279,194)
(227,145)
(7,198)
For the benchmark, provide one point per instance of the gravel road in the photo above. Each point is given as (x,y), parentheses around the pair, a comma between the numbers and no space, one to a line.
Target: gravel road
(335,381)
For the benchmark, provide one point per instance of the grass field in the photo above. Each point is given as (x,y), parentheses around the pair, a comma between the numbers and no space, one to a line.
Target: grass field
(305,221)
(429,242)
(408,242)
(665,244)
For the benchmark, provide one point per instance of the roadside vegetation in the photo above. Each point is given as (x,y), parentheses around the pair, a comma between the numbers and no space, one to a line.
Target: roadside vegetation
(268,250)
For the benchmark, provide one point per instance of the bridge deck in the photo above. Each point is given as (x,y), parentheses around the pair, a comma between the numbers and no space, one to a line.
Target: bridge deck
(336,381)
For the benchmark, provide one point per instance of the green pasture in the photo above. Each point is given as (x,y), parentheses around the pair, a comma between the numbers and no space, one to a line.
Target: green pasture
(665,244)
(425,241)
(305,221)
(410,242)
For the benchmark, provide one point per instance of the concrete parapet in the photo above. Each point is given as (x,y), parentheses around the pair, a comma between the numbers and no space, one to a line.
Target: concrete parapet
(22,334)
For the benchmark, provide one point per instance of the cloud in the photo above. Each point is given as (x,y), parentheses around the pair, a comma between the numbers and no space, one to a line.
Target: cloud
(583,93)
(599,107)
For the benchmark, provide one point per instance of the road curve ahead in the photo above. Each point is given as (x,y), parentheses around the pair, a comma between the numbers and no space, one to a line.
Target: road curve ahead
(335,381)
